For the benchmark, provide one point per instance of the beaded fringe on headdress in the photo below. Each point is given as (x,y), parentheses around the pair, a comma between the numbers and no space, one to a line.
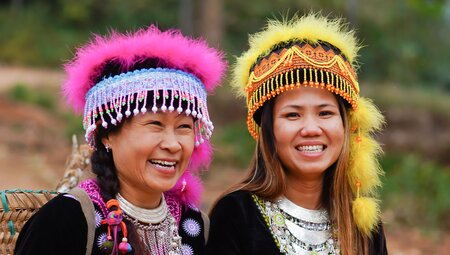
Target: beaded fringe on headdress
(116,94)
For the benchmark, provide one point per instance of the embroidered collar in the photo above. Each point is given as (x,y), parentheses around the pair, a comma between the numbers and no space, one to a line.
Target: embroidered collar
(93,190)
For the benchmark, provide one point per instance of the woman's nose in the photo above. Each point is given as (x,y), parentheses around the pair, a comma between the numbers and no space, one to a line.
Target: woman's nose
(310,127)
(170,141)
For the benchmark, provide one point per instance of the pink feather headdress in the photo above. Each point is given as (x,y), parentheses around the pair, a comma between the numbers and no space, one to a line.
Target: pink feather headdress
(182,53)
(191,70)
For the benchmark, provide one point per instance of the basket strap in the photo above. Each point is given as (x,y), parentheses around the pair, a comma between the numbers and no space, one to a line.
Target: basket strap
(6,208)
(88,209)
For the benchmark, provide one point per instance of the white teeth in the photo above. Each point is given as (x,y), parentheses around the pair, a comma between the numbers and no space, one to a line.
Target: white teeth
(163,163)
(311,148)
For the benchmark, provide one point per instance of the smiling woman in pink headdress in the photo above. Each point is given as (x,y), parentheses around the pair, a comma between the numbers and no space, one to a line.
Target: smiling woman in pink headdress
(146,118)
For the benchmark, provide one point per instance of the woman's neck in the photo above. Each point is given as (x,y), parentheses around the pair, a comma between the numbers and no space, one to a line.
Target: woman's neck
(306,193)
(148,200)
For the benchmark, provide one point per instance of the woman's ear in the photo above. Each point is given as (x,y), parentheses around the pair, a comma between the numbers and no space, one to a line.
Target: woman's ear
(105,141)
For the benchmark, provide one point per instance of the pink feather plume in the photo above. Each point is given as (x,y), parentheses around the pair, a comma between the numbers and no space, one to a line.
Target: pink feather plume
(190,55)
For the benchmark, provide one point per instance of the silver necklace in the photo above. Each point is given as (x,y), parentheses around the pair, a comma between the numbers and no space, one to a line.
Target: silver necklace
(298,230)
(157,228)
(149,216)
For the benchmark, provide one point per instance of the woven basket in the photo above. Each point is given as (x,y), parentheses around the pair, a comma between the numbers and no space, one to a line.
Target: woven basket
(16,207)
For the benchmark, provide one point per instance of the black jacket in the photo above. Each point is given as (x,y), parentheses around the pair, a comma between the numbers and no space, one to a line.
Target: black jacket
(60,227)
(237,227)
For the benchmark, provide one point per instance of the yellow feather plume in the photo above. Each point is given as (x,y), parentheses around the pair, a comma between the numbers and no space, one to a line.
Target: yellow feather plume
(364,167)
(367,117)
(364,170)
(310,28)
(365,214)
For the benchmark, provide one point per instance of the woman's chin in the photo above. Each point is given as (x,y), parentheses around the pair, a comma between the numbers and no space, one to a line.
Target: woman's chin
(161,184)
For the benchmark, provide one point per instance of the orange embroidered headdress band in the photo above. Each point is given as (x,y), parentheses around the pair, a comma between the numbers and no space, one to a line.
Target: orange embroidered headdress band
(317,52)
(302,64)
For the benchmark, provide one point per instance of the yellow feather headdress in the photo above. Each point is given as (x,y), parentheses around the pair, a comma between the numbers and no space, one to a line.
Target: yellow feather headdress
(318,52)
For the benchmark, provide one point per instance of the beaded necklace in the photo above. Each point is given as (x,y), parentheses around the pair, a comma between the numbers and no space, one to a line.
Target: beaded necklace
(152,216)
(297,230)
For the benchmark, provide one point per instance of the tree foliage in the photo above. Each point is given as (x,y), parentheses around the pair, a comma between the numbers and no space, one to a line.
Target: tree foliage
(405,41)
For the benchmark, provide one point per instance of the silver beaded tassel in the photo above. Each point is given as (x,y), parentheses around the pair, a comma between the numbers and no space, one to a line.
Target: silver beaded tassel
(157,228)
(114,94)
(161,238)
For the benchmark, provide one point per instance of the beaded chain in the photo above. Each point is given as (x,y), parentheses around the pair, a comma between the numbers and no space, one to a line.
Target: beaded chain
(306,224)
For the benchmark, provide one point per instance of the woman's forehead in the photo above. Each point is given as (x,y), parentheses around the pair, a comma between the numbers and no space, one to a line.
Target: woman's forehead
(306,96)
(160,115)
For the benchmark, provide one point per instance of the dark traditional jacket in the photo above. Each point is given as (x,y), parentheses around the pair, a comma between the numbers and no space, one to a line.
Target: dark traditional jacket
(237,227)
(60,226)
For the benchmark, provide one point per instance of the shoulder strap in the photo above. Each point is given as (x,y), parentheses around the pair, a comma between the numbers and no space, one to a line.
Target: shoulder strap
(206,225)
(88,209)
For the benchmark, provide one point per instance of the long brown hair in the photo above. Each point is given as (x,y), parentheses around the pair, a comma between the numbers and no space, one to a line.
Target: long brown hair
(266,178)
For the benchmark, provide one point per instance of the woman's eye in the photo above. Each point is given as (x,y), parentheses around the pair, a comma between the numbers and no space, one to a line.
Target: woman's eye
(326,113)
(155,123)
(188,126)
(292,115)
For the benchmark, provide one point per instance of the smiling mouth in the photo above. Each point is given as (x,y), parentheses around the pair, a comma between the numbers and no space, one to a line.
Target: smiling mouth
(163,164)
(311,148)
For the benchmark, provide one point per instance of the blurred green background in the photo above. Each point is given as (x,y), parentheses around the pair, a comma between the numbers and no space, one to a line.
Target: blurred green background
(405,68)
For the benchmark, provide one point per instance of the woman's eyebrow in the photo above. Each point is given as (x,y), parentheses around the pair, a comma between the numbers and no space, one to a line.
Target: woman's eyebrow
(299,107)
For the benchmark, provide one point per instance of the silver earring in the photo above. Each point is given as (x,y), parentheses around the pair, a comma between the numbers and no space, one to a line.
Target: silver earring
(107,147)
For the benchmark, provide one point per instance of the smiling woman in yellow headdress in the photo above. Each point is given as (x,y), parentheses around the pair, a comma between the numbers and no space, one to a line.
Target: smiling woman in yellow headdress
(312,182)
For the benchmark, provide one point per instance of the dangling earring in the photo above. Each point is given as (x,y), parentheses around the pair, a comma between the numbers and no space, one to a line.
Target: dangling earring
(107,147)
(183,185)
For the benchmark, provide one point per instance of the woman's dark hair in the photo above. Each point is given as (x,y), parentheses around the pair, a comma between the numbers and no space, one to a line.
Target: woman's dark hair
(103,164)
